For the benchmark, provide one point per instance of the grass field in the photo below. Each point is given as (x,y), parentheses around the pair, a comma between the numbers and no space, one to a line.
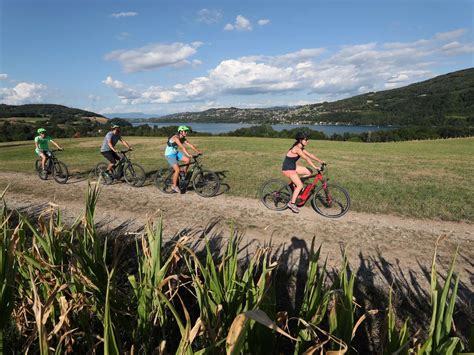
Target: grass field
(423,179)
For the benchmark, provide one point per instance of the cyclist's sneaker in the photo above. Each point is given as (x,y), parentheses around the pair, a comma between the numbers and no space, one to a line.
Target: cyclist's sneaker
(176,189)
(44,173)
(294,208)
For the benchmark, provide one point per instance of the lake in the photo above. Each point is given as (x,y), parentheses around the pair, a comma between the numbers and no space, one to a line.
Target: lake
(216,128)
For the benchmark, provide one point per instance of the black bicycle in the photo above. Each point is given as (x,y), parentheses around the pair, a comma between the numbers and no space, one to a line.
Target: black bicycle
(53,167)
(132,173)
(206,183)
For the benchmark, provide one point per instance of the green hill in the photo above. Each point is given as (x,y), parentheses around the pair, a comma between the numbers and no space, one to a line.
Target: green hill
(58,113)
(21,122)
(444,100)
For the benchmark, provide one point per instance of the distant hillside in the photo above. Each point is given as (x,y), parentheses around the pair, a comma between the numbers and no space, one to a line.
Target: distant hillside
(21,122)
(444,100)
(45,111)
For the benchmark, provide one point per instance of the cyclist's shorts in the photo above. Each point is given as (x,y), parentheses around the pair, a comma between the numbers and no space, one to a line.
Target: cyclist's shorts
(111,156)
(46,152)
(174,159)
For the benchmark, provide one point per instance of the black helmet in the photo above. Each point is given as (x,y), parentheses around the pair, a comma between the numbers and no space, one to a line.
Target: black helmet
(301,135)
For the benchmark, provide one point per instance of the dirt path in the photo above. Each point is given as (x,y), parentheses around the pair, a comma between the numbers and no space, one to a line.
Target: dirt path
(373,242)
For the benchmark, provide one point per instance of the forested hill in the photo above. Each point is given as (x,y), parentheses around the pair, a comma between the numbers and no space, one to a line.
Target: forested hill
(44,111)
(21,122)
(446,100)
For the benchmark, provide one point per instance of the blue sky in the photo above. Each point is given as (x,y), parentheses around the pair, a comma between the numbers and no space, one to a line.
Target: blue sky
(161,57)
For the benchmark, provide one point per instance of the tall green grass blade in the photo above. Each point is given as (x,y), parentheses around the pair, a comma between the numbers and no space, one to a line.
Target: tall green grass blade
(110,342)
(439,340)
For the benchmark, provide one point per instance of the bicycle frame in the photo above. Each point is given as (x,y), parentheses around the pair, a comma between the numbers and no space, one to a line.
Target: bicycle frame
(194,164)
(307,190)
(119,165)
(50,159)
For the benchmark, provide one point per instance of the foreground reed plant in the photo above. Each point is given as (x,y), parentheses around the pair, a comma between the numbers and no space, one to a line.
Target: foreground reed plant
(395,340)
(315,303)
(441,339)
(152,285)
(71,289)
(9,238)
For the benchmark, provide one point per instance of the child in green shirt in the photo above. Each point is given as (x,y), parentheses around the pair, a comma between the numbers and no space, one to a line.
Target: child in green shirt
(41,144)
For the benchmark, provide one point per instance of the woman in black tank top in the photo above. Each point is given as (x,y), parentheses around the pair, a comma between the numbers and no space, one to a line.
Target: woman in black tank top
(292,170)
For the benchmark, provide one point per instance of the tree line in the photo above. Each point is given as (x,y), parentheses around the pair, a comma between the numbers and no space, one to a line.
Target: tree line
(20,131)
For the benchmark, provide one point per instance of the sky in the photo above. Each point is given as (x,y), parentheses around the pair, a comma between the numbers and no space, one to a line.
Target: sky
(161,57)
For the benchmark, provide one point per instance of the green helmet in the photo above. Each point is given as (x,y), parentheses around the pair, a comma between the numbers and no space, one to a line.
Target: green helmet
(41,130)
(115,126)
(183,128)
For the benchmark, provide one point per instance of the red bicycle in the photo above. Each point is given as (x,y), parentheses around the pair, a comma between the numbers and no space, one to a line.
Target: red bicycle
(329,200)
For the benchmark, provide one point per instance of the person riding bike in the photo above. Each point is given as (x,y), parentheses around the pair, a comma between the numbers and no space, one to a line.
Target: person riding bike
(107,149)
(174,156)
(292,170)
(42,147)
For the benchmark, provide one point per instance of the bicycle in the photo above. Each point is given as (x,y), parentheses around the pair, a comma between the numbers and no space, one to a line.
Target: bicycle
(329,200)
(206,183)
(133,173)
(52,166)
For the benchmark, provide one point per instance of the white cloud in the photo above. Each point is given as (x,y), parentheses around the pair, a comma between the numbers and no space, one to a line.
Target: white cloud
(406,76)
(452,35)
(298,57)
(209,16)
(94,98)
(263,22)
(154,56)
(123,14)
(240,77)
(240,24)
(349,71)
(22,93)
(3,76)
(455,48)
(115,84)
(123,36)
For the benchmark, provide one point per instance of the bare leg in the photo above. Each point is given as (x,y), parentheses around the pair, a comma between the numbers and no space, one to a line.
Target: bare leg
(43,160)
(185,160)
(293,175)
(175,174)
(303,171)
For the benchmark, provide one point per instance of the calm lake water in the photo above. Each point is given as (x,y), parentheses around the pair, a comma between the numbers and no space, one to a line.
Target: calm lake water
(215,128)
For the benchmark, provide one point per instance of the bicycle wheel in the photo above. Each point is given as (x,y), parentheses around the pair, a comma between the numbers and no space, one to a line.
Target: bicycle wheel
(100,171)
(134,175)
(99,168)
(60,173)
(206,183)
(332,202)
(164,180)
(275,194)
(39,170)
